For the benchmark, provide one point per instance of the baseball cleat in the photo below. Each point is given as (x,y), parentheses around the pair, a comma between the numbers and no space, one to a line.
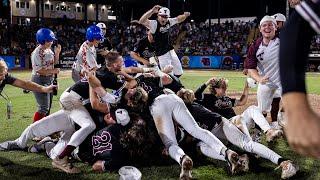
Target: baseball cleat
(288,169)
(40,146)
(232,160)
(281,119)
(273,134)
(256,136)
(186,168)
(64,165)
(244,162)
(275,125)
(9,145)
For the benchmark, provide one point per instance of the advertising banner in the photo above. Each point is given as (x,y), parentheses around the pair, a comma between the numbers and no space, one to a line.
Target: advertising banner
(14,62)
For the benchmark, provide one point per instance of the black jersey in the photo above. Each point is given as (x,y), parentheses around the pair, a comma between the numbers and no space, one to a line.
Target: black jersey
(203,116)
(221,105)
(144,48)
(152,86)
(162,38)
(108,80)
(8,79)
(105,45)
(104,145)
(176,85)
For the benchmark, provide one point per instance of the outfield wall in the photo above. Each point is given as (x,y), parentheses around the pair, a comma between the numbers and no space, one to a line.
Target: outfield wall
(188,62)
(15,62)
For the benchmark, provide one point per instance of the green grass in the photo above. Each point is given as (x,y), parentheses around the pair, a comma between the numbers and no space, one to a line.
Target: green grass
(22,165)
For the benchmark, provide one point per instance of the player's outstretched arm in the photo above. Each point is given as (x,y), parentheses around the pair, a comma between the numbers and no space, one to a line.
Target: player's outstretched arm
(183,17)
(244,97)
(145,17)
(33,86)
(303,127)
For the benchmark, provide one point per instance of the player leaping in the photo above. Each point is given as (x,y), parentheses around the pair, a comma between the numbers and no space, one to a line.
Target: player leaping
(160,31)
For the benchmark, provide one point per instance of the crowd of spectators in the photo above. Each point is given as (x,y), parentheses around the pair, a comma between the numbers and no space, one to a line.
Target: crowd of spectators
(219,39)
(227,38)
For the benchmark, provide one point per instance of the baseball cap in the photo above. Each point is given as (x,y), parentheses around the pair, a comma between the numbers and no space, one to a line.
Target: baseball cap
(268,18)
(129,173)
(164,12)
(279,17)
(122,117)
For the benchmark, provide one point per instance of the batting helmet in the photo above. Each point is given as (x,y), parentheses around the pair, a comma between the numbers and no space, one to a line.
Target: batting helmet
(94,33)
(129,62)
(44,35)
(164,12)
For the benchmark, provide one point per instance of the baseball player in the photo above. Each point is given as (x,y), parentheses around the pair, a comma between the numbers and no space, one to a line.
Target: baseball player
(144,53)
(159,28)
(143,50)
(103,47)
(163,107)
(87,56)
(218,102)
(109,146)
(74,112)
(263,64)
(303,127)
(276,115)
(226,130)
(43,60)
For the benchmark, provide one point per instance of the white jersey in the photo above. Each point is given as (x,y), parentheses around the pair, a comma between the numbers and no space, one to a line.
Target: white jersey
(41,59)
(154,24)
(86,57)
(268,62)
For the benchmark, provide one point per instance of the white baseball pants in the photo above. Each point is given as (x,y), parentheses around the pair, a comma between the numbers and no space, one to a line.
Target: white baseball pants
(167,107)
(171,58)
(226,130)
(251,116)
(63,120)
(265,95)
(58,121)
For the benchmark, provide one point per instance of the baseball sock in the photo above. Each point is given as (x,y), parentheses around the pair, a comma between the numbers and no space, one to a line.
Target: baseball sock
(67,151)
(280,160)
(37,116)
(275,109)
